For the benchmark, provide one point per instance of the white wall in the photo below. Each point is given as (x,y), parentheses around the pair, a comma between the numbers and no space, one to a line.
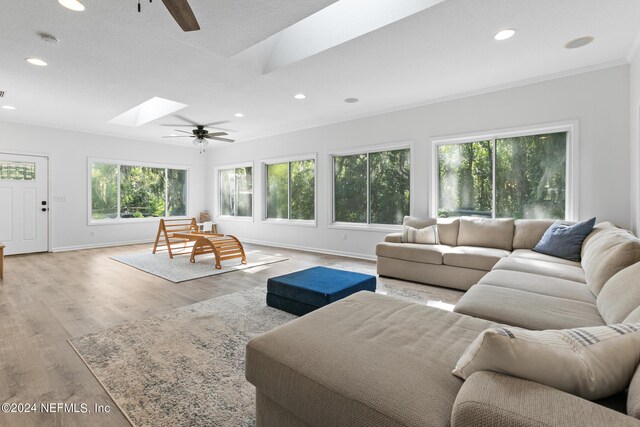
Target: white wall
(635,143)
(598,99)
(68,156)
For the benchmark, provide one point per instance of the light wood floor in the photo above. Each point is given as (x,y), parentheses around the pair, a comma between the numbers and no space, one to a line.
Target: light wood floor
(45,299)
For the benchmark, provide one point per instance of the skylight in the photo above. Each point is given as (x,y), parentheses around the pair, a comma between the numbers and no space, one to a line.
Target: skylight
(147,111)
(336,24)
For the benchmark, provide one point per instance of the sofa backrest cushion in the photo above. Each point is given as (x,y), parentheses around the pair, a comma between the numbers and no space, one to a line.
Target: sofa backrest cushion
(620,295)
(419,223)
(597,229)
(486,232)
(528,232)
(608,252)
(448,231)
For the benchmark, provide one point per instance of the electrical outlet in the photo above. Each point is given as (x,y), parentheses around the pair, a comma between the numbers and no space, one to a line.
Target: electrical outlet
(344,236)
(91,233)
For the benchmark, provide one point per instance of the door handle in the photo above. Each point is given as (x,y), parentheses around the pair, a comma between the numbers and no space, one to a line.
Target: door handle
(44,209)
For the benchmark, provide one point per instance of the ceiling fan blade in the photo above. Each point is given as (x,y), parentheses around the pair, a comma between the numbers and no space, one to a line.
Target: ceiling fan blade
(177,136)
(217,133)
(215,138)
(184,119)
(216,123)
(179,126)
(183,131)
(182,13)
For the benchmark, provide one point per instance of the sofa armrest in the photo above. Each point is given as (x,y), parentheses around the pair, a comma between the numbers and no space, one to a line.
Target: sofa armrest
(393,238)
(490,399)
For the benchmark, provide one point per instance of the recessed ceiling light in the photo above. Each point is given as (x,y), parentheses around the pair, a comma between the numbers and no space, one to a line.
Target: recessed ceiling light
(8,107)
(36,61)
(579,42)
(239,115)
(351,100)
(300,96)
(72,4)
(504,34)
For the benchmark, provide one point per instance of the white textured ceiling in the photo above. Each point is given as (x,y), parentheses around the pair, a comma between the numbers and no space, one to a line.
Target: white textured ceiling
(110,58)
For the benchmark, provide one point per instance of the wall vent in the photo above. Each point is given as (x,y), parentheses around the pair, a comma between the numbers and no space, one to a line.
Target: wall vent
(1,93)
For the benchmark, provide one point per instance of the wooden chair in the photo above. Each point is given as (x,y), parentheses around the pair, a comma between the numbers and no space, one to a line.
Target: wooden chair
(165,239)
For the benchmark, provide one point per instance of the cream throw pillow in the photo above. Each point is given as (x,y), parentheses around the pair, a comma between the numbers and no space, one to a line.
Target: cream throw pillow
(592,363)
(427,235)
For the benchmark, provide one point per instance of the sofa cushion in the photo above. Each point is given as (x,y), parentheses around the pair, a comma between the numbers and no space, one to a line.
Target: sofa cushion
(608,252)
(543,285)
(565,240)
(543,268)
(526,309)
(366,357)
(620,295)
(473,257)
(597,229)
(529,254)
(448,231)
(490,399)
(528,232)
(486,232)
(393,238)
(417,222)
(425,236)
(633,395)
(429,254)
(593,363)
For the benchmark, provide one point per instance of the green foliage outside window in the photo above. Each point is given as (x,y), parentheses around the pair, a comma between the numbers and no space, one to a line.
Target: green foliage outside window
(236,192)
(144,191)
(372,188)
(530,177)
(291,190)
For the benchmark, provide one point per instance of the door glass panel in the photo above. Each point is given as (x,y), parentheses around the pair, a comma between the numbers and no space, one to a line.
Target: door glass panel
(17,171)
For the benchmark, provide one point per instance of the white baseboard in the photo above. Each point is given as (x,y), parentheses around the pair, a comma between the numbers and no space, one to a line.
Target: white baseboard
(310,249)
(100,245)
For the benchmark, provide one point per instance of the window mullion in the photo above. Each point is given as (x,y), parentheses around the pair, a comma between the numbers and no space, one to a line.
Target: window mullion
(118,180)
(289,190)
(493,179)
(236,193)
(166,192)
(368,189)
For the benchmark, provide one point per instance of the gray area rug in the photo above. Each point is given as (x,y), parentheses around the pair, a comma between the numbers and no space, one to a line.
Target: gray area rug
(180,269)
(185,367)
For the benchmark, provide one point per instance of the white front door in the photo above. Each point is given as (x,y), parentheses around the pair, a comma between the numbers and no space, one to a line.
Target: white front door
(24,206)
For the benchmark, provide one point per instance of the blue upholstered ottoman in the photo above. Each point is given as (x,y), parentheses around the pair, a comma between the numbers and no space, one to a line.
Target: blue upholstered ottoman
(304,291)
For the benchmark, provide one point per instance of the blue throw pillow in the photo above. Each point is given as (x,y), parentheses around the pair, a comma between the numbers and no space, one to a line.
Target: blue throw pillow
(565,241)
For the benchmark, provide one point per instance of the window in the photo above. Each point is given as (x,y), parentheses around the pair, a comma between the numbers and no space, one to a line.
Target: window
(123,191)
(372,188)
(291,190)
(519,177)
(17,171)
(236,191)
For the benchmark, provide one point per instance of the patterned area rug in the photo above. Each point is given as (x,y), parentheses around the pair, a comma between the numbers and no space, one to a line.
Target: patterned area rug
(180,269)
(185,367)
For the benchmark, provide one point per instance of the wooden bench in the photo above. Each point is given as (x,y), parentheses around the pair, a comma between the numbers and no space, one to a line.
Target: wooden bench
(223,247)
(166,239)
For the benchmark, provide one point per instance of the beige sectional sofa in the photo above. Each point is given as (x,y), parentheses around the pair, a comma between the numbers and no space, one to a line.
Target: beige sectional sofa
(373,360)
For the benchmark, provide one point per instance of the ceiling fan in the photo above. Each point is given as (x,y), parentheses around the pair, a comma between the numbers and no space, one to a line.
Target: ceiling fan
(200,134)
(181,12)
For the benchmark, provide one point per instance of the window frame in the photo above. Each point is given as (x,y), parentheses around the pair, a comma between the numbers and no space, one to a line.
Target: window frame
(265,186)
(216,179)
(369,149)
(111,221)
(571,167)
